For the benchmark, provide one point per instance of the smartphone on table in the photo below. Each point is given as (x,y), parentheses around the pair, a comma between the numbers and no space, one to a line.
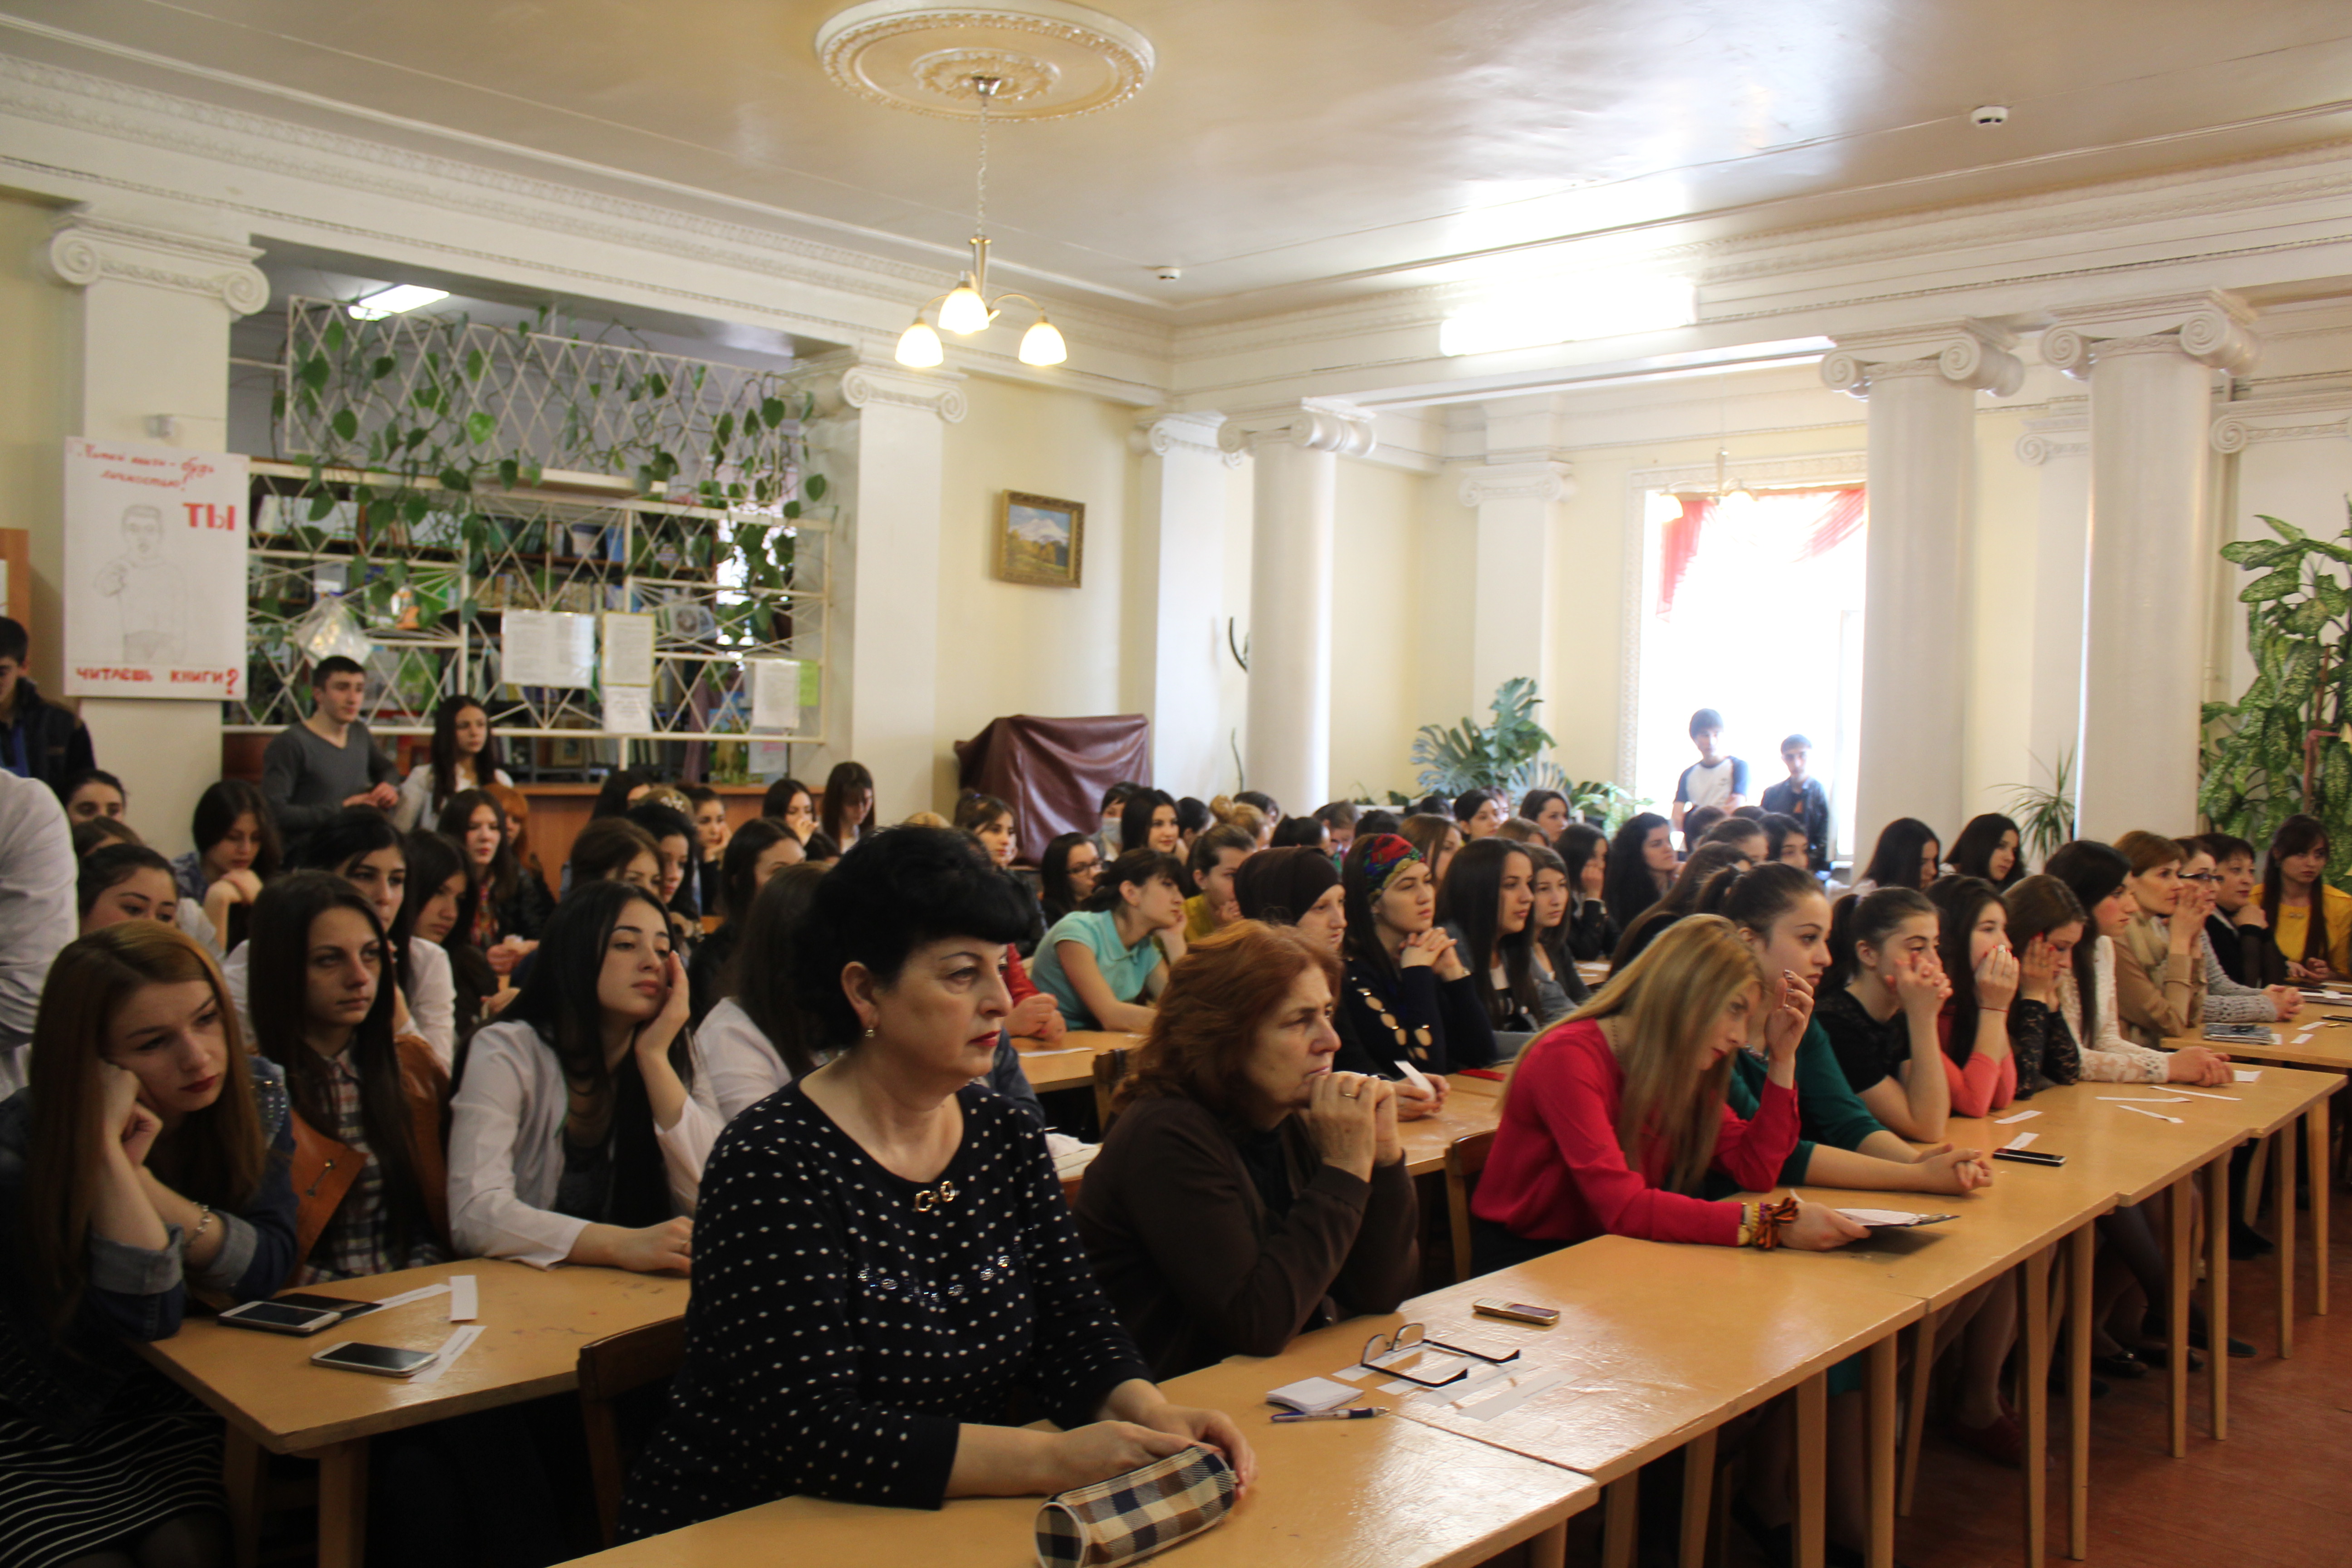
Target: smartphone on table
(383,1361)
(280,1318)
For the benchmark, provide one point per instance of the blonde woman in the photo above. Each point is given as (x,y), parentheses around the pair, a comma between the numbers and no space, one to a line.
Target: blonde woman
(1616,1117)
(1240,814)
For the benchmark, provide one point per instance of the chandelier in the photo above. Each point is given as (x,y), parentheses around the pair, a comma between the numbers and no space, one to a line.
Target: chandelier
(966,308)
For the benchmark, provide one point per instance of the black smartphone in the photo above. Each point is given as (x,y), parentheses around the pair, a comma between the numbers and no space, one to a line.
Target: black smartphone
(278,1318)
(385,1361)
(2029,1156)
(343,1309)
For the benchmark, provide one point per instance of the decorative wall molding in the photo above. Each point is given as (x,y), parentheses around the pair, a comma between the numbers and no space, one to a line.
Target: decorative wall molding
(85,248)
(1318,423)
(2064,431)
(1965,352)
(2210,326)
(1164,433)
(1545,480)
(1823,470)
(73,100)
(2315,416)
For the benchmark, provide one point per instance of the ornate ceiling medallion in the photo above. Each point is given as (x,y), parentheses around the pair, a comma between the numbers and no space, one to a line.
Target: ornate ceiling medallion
(1054,59)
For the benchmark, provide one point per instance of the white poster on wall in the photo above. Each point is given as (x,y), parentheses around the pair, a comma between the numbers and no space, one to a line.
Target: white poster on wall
(154,570)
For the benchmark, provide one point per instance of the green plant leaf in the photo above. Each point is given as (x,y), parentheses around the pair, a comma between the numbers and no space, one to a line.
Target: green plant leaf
(480,425)
(772,410)
(474,364)
(456,478)
(813,486)
(2273,585)
(2283,527)
(333,336)
(385,366)
(312,373)
(345,424)
(322,506)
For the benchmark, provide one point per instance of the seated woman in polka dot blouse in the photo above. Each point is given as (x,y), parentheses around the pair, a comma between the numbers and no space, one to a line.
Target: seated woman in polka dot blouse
(882,1255)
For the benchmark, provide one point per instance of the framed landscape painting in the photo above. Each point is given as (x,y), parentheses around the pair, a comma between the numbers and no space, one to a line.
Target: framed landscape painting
(1040,539)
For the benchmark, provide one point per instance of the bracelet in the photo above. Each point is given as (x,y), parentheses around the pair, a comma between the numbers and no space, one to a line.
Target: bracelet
(1769,1219)
(204,1224)
(1747,1225)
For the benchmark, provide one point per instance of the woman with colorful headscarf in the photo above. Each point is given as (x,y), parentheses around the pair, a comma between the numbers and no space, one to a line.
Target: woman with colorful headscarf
(1407,994)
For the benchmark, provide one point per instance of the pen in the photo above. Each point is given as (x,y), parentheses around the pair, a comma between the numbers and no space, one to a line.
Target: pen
(1361,1413)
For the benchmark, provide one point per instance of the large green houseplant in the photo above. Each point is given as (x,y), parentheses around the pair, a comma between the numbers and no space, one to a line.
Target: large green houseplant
(2284,746)
(1506,755)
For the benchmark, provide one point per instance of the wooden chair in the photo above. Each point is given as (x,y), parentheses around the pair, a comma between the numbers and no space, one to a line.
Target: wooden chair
(611,1369)
(1110,1067)
(1466,1159)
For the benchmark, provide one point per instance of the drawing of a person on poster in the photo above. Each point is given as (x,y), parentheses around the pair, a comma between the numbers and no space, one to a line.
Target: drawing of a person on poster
(147,589)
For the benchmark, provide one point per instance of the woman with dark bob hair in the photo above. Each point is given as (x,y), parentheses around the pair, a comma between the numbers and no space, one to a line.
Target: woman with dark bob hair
(883,1253)
(1246,1192)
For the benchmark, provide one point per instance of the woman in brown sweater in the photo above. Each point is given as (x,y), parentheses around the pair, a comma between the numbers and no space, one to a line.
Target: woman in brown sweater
(1246,1192)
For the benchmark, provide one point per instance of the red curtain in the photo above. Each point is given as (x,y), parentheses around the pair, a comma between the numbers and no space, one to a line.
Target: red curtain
(1843,512)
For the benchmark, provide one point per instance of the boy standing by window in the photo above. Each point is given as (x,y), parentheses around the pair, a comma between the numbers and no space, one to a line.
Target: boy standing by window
(1801,796)
(1715,779)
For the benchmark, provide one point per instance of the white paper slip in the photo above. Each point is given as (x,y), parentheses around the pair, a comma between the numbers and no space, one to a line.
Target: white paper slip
(451,1349)
(464,1306)
(1413,1075)
(1891,1219)
(2142,1099)
(405,1297)
(1497,1399)
(2245,1074)
(2157,1114)
(2200,1094)
(2023,1140)
(2020,1116)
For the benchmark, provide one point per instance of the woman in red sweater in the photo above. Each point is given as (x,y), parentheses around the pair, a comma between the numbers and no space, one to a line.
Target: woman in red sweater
(1614,1118)
(1972,939)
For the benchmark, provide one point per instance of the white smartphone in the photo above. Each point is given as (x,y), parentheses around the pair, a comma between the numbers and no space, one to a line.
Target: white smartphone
(279,1318)
(385,1361)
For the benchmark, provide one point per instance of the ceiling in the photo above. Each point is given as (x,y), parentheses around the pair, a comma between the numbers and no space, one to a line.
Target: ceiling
(1286,152)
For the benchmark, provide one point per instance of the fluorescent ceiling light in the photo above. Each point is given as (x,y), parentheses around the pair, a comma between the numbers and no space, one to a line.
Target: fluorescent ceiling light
(1568,310)
(391,302)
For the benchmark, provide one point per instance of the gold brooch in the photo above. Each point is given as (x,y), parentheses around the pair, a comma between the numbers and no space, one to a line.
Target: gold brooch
(926,1199)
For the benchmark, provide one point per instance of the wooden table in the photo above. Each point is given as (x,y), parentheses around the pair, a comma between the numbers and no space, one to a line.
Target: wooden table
(1069,1062)
(534,1322)
(2329,1050)
(1663,1343)
(1329,1494)
(1472,1106)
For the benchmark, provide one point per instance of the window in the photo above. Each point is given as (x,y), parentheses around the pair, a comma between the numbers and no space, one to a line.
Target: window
(1752,606)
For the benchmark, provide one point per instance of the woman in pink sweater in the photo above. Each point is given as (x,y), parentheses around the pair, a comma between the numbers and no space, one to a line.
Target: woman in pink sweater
(1614,1118)
(1972,941)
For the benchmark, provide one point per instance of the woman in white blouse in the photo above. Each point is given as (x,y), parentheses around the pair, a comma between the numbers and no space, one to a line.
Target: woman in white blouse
(583,1118)
(760,1037)
(463,755)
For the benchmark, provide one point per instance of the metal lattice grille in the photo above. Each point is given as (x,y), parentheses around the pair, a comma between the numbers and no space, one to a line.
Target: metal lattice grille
(415,503)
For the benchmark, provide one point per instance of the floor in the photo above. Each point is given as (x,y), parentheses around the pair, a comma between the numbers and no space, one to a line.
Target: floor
(2273,1496)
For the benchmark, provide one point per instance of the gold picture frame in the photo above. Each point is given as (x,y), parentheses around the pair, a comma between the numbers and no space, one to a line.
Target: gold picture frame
(1039,540)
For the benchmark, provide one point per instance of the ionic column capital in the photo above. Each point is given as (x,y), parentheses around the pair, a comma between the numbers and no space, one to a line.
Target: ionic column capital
(1550,480)
(85,248)
(1968,352)
(1316,424)
(2064,432)
(2210,326)
(1164,435)
(843,382)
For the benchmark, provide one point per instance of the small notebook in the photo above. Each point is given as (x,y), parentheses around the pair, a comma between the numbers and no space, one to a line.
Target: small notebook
(2239,1034)
(1313,1396)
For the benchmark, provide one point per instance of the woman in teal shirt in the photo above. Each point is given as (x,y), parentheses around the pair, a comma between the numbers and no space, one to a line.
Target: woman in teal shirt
(1104,961)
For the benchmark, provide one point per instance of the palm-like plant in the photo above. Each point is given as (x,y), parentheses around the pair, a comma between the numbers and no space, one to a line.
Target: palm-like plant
(1505,754)
(2284,745)
(2045,817)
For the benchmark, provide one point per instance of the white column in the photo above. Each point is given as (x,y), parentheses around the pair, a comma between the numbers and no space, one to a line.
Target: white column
(1286,744)
(1516,493)
(151,352)
(1183,533)
(2150,363)
(880,445)
(1921,385)
(2058,444)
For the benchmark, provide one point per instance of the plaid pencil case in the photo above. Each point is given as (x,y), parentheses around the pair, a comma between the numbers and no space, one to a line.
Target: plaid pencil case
(1128,1517)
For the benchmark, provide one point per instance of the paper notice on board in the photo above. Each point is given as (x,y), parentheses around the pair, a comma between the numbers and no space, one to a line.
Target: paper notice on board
(775,694)
(628,650)
(547,648)
(629,710)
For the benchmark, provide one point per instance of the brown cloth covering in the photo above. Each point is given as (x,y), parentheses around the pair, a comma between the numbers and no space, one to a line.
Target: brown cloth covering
(1053,772)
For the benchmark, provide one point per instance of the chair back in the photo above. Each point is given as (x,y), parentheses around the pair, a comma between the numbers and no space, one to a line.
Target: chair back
(611,1369)
(1466,1160)
(1110,1068)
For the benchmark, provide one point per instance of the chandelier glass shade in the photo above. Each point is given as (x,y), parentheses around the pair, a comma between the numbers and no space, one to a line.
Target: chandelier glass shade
(966,308)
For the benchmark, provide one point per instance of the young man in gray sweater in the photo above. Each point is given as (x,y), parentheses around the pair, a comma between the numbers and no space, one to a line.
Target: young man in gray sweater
(315,769)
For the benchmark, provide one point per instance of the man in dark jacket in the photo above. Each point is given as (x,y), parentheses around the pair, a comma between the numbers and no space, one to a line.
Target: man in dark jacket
(38,740)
